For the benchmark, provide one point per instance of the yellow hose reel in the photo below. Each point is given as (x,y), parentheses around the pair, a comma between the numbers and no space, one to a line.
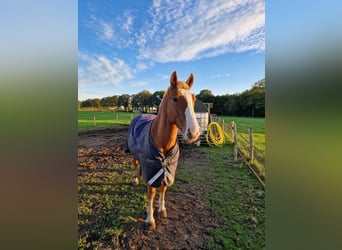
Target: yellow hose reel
(215,136)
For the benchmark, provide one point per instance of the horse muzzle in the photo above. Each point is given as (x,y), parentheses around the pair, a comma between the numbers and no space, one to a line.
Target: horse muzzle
(191,136)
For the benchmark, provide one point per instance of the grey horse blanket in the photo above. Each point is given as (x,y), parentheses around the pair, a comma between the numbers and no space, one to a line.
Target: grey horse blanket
(155,166)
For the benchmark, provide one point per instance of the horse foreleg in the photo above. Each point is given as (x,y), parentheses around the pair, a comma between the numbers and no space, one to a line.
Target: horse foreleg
(162,208)
(137,172)
(151,193)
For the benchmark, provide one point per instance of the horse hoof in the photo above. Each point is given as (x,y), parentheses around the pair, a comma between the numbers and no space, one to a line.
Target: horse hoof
(162,214)
(151,225)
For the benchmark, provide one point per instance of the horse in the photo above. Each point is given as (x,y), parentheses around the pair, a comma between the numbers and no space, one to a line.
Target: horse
(152,139)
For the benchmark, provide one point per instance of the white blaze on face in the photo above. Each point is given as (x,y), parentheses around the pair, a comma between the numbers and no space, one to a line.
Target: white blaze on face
(191,121)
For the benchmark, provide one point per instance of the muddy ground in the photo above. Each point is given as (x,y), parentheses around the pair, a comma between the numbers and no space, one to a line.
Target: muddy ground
(190,218)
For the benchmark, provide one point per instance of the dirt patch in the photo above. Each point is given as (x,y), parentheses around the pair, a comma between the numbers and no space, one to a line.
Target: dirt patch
(190,219)
(103,138)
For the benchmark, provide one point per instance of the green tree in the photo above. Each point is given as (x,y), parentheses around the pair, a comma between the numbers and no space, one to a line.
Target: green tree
(232,106)
(113,101)
(255,100)
(219,104)
(206,96)
(142,100)
(155,101)
(104,101)
(86,104)
(96,103)
(248,103)
(109,101)
(125,101)
(136,102)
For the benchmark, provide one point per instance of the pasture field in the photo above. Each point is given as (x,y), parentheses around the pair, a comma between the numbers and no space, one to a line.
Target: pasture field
(103,119)
(215,203)
(109,118)
(242,124)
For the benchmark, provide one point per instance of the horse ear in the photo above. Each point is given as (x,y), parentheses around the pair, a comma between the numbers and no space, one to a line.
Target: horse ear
(190,80)
(174,79)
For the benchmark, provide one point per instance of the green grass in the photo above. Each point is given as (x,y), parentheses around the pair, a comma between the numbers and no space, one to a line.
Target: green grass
(242,124)
(235,194)
(238,196)
(107,202)
(103,119)
(259,139)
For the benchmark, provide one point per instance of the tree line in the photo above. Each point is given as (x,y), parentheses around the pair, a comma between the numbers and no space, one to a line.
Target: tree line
(249,103)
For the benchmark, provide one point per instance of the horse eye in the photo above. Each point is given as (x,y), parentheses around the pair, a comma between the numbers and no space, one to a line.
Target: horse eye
(175,99)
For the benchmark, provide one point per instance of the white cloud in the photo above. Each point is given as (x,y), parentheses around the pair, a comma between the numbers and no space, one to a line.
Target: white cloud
(107,32)
(189,30)
(99,69)
(113,31)
(127,23)
(143,65)
(104,30)
(179,30)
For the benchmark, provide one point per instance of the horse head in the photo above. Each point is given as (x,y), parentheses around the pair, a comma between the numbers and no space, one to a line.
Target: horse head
(180,107)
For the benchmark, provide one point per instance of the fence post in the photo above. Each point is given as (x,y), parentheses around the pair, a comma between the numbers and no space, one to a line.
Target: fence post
(223,125)
(232,131)
(251,148)
(94,121)
(235,141)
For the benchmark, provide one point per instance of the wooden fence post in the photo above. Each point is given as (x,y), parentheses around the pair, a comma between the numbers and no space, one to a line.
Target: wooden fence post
(232,131)
(251,146)
(235,141)
(94,121)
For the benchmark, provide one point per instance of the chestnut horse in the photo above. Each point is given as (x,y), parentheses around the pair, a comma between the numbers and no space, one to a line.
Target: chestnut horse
(152,139)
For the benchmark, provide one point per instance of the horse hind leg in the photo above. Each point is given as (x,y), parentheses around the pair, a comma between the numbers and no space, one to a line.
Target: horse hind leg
(137,172)
(162,209)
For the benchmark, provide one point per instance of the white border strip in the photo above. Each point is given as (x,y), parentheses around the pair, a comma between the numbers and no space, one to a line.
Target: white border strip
(155,177)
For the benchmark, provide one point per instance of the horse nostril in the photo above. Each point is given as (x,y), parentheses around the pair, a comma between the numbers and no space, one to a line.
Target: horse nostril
(189,134)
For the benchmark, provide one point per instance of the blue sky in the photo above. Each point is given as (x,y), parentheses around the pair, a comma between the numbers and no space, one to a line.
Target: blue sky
(128,46)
